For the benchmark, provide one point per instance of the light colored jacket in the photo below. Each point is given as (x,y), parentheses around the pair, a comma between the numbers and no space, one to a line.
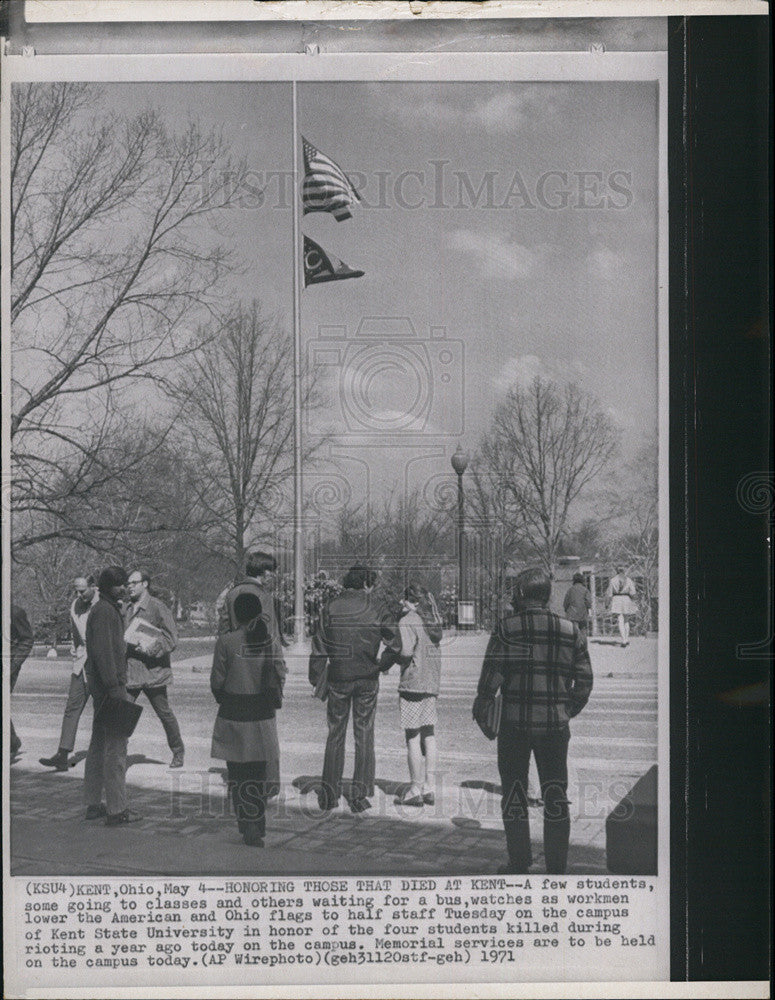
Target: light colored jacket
(421,671)
(78,619)
(144,670)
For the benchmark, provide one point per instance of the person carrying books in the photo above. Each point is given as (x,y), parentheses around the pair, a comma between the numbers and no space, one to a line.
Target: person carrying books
(151,636)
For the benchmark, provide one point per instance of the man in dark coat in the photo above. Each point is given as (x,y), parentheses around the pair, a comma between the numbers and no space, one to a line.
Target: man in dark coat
(106,671)
(21,647)
(350,628)
(540,664)
(578,602)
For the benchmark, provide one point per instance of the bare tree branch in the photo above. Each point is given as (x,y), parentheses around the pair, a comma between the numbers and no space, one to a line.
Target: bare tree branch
(545,446)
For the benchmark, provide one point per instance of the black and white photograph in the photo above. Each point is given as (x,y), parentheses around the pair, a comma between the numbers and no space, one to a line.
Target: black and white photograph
(335,507)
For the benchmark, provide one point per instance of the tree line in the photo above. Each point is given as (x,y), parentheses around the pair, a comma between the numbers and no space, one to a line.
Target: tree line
(152,416)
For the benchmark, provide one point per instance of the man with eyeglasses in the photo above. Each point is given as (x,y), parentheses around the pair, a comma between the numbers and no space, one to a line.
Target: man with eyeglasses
(149,669)
(86,597)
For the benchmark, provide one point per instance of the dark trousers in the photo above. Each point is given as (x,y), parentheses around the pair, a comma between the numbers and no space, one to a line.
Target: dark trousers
(362,694)
(551,754)
(247,785)
(105,767)
(15,741)
(161,706)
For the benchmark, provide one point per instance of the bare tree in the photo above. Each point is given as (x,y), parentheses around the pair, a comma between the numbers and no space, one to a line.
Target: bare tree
(43,585)
(546,444)
(114,251)
(236,399)
(404,536)
(634,514)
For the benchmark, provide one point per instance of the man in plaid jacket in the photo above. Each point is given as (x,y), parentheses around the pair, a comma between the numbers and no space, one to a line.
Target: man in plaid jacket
(540,663)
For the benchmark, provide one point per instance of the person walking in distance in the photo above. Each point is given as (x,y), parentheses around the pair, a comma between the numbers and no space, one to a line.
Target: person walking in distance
(246,680)
(349,630)
(540,664)
(150,671)
(578,602)
(619,600)
(21,647)
(106,674)
(85,598)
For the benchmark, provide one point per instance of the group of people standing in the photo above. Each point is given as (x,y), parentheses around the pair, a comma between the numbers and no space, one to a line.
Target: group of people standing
(536,676)
(358,637)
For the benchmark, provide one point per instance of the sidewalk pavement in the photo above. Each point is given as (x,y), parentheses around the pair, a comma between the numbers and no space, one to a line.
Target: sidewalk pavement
(188,828)
(193,834)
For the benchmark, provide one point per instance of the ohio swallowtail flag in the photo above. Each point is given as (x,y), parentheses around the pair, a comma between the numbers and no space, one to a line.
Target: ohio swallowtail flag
(326,187)
(321,266)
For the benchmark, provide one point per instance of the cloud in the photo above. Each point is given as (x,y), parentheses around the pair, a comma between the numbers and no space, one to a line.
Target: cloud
(498,256)
(606,265)
(523,368)
(508,106)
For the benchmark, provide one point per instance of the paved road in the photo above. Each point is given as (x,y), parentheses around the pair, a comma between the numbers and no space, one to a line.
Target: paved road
(613,743)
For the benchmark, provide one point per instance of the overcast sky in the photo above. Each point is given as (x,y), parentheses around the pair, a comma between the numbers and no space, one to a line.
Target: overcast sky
(517,219)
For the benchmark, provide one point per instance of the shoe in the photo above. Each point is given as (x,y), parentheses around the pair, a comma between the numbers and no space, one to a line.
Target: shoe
(58,761)
(408,800)
(429,799)
(511,870)
(177,759)
(119,819)
(96,812)
(326,804)
(252,835)
(359,805)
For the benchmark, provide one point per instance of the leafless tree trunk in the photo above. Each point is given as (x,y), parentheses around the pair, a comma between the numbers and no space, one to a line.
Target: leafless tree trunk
(235,396)
(546,444)
(114,252)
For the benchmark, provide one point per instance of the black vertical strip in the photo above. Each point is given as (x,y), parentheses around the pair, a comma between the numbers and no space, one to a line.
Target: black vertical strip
(725,365)
(678,471)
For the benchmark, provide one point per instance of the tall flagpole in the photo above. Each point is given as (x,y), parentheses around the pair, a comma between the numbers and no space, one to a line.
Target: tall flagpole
(298,528)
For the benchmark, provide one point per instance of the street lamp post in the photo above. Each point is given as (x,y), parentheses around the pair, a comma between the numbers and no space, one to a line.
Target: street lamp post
(459,464)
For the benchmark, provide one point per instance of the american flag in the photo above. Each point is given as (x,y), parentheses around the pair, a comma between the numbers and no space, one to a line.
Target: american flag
(326,188)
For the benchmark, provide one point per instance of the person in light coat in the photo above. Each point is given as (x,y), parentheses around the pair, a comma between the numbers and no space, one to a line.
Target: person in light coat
(86,597)
(619,600)
(418,691)
(246,680)
(150,670)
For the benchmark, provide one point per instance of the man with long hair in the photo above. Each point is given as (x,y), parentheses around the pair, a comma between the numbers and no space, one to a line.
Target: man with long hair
(106,672)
